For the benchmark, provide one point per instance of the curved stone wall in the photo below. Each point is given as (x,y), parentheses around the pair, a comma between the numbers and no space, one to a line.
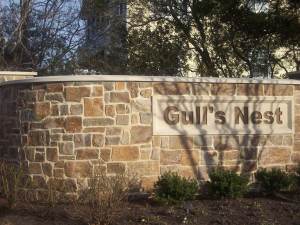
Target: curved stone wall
(68,130)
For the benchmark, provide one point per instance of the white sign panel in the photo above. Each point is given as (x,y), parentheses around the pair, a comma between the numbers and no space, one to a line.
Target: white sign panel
(193,115)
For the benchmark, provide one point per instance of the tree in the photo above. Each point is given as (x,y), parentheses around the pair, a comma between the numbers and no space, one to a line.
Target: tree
(232,37)
(40,35)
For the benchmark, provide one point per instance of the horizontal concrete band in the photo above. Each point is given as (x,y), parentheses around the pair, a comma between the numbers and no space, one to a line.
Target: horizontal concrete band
(129,78)
(17,73)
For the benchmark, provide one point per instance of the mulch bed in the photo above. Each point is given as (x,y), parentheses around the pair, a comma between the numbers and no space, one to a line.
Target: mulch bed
(284,210)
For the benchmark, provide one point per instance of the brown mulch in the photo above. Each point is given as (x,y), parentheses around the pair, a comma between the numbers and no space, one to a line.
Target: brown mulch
(246,211)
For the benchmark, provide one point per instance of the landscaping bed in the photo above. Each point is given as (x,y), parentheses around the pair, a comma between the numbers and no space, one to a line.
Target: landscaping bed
(255,210)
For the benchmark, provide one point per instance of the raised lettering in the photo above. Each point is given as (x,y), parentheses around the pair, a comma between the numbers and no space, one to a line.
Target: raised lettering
(278,114)
(171,118)
(256,117)
(268,117)
(238,114)
(187,117)
(220,117)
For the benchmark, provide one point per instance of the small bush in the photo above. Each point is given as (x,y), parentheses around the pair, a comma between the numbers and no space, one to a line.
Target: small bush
(297,175)
(226,184)
(273,181)
(100,202)
(172,188)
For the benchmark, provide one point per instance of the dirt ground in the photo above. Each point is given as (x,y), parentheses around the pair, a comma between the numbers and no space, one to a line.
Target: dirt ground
(261,211)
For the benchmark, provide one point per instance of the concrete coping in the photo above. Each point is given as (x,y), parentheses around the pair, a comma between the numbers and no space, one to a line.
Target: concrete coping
(129,78)
(17,73)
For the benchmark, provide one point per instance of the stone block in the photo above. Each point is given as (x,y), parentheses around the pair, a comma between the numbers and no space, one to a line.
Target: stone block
(78,169)
(97,91)
(34,168)
(180,142)
(39,138)
(51,122)
(143,168)
(105,154)
(109,86)
(146,118)
(147,183)
(63,110)
(168,88)
(73,124)
(229,155)
(120,85)
(250,89)
(82,154)
(54,110)
(141,105)
(98,140)
(93,107)
(110,110)
(52,154)
(296,157)
(39,182)
(122,120)
(125,139)
(66,148)
(112,140)
(111,131)
(133,89)
(82,140)
(122,109)
(279,155)
(223,89)
(189,158)
(170,157)
(98,122)
(54,97)
(94,130)
(141,134)
(76,109)
(227,142)
(209,158)
(125,153)
(41,110)
(116,168)
(75,94)
(47,169)
(278,90)
(54,87)
(119,97)
(200,89)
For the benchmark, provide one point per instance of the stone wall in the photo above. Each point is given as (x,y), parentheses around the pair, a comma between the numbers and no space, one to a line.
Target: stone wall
(69,131)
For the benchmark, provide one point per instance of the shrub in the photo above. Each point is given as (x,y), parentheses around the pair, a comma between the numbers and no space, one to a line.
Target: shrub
(272,181)
(226,184)
(172,188)
(10,179)
(102,199)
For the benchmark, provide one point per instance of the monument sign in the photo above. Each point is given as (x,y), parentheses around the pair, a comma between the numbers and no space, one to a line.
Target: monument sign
(193,115)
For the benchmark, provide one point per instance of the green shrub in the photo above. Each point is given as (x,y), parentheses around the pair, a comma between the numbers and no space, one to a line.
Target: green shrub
(272,181)
(226,184)
(172,188)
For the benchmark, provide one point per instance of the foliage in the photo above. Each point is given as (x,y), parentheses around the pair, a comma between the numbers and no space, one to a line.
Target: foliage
(274,180)
(156,51)
(10,180)
(226,184)
(231,37)
(172,188)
